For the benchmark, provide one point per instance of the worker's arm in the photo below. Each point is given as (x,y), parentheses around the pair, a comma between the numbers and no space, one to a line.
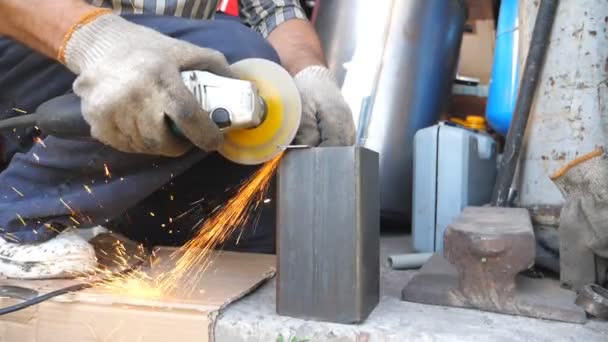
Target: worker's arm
(326,118)
(127,75)
(40,24)
(297,44)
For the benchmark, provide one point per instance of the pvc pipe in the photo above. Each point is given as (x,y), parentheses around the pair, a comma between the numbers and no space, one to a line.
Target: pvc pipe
(408,261)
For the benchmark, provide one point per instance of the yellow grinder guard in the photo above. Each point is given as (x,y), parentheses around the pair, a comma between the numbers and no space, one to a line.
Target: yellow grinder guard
(284,110)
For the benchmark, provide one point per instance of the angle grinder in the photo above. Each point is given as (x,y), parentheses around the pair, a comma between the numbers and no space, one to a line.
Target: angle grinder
(259,112)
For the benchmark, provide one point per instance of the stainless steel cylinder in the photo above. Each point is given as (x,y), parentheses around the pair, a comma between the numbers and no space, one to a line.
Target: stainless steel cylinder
(395,61)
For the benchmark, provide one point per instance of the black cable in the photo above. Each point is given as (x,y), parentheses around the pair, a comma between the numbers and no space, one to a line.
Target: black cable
(45,297)
(21,121)
(65,290)
(534,62)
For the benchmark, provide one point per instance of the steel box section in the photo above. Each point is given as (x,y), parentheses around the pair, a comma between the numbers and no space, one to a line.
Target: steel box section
(328,218)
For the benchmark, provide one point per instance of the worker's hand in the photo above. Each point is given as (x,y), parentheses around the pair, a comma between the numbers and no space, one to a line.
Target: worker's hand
(326,118)
(130,85)
(584,184)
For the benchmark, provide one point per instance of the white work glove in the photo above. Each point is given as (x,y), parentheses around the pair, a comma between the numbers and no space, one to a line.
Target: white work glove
(326,118)
(129,82)
(584,184)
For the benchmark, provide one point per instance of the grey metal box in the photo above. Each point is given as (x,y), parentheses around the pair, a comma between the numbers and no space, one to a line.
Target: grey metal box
(328,227)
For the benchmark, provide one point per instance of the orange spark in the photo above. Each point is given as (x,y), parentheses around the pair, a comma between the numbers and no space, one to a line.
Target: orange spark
(21,219)
(39,141)
(50,227)
(17,191)
(67,206)
(107,170)
(11,237)
(192,259)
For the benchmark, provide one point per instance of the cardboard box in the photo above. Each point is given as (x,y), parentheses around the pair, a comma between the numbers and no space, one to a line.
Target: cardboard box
(477,49)
(93,315)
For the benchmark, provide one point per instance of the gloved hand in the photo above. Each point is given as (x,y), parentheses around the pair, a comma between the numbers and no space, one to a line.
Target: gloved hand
(326,118)
(129,82)
(584,184)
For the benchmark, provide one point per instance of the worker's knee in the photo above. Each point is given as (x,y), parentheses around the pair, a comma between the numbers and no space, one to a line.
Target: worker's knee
(230,37)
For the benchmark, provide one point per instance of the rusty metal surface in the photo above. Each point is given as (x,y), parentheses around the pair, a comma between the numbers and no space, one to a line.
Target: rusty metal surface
(594,299)
(485,249)
(328,234)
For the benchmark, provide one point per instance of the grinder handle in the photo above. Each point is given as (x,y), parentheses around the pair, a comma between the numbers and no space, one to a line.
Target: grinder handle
(62,117)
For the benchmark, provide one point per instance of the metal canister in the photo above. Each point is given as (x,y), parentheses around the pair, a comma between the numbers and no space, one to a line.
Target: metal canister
(395,61)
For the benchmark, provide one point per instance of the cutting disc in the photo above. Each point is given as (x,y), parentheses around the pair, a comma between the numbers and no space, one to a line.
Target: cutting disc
(284,110)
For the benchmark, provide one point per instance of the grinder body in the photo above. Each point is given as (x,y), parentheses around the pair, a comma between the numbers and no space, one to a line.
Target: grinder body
(259,112)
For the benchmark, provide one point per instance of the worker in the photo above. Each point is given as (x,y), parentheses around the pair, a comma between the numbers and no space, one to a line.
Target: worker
(123,59)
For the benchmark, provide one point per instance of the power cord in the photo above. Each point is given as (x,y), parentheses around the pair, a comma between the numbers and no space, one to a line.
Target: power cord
(65,290)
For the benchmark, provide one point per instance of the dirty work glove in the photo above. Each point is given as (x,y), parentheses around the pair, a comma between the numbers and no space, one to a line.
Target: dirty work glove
(129,82)
(326,118)
(584,184)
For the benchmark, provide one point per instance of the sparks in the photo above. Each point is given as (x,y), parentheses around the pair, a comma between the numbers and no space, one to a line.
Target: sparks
(67,206)
(86,187)
(74,220)
(11,237)
(36,156)
(50,227)
(17,191)
(152,214)
(20,110)
(39,141)
(107,170)
(21,219)
(193,258)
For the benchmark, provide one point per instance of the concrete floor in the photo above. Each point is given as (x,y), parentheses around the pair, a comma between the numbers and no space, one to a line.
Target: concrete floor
(254,319)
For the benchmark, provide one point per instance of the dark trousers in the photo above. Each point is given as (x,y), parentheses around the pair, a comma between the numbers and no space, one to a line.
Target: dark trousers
(63,183)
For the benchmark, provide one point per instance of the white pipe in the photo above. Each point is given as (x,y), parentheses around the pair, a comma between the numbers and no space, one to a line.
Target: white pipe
(408,261)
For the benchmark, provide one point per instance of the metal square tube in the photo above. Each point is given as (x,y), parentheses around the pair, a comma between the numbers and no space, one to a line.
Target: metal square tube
(328,224)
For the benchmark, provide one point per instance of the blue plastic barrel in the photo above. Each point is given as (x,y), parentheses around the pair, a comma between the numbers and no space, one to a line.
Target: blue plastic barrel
(505,80)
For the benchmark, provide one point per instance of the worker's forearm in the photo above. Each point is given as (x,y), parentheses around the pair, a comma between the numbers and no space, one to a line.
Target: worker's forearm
(40,24)
(297,44)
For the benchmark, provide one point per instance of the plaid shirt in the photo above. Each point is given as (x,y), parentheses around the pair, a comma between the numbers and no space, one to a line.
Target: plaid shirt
(262,15)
